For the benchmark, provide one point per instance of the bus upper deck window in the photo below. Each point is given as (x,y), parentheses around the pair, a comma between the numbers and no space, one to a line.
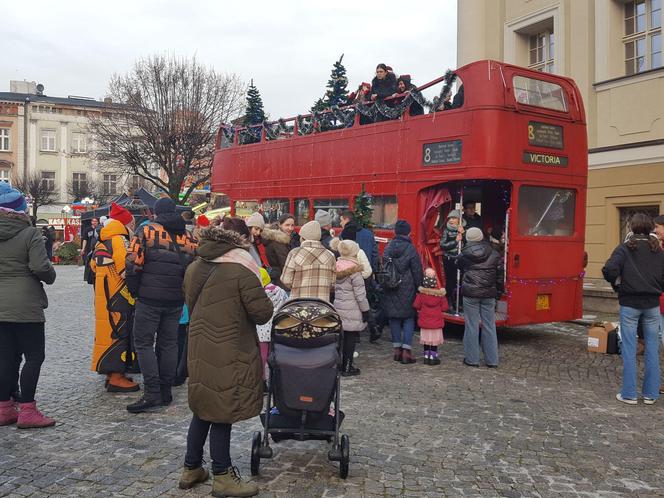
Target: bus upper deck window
(545,211)
(539,93)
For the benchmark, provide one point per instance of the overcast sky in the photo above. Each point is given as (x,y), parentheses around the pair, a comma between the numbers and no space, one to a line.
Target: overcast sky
(287,47)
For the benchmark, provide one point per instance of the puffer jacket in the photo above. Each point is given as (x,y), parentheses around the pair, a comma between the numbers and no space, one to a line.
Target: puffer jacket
(641,273)
(277,247)
(481,264)
(226,301)
(386,87)
(350,297)
(448,242)
(430,305)
(398,303)
(25,266)
(155,269)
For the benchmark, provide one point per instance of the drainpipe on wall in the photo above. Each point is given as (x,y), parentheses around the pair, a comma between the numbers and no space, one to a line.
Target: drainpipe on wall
(26,106)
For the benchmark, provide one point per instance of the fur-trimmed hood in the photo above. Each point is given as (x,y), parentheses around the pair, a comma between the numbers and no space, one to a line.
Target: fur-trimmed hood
(275,235)
(432,292)
(215,242)
(11,223)
(341,274)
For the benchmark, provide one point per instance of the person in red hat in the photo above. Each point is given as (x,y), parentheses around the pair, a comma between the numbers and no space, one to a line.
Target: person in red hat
(112,353)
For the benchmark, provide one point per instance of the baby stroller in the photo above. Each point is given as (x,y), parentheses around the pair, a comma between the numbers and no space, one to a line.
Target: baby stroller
(305,368)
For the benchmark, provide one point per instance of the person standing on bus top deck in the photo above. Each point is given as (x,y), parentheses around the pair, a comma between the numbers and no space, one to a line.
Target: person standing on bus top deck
(363,236)
(636,271)
(361,95)
(482,284)
(310,269)
(398,302)
(456,102)
(277,245)
(404,85)
(453,233)
(470,216)
(383,85)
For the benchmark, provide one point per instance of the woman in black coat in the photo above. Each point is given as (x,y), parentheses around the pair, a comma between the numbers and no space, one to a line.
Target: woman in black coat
(398,302)
(383,85)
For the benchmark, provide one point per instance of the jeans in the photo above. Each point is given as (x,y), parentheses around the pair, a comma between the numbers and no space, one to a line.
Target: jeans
(181,373)
(19,340)
(399,325)
(474,310)
(158,364)
(629,320)
(220,444)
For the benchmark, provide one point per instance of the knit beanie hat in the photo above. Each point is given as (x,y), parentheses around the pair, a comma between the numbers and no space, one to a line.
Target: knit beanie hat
(256,220)
(454,214)
(265,277)
(348,248)
(474,234)
(121,214)
(402,227)
(349,232)
(429,282)
(310,231)
(323,217)
(10,198)
(203,221)
(164,205)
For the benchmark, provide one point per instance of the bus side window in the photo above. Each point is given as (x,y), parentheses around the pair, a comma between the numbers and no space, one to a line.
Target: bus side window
(301,211)
(385,211)
(273,208)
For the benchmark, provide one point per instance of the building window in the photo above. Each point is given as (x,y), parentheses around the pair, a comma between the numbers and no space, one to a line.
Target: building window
(78,143)
(4,139)
(48,180)
(136,182)
(80,182)
(643,35)
(4,175)
(48,140)
(542,52)
(626,214)
(109,184)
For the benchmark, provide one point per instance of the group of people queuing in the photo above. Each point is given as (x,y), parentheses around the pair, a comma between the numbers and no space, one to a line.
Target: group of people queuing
(635,270)
(391,89)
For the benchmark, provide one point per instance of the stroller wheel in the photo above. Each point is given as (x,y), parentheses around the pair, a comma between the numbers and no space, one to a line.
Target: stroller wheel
(255,453)
(345,456)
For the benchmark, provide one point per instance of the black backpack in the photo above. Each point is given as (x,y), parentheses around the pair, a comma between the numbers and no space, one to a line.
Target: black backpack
(389,277)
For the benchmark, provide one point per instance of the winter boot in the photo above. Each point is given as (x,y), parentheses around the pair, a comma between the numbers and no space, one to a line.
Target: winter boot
(191,477)
(407,357)
(434,360)
(31,418)
(229,483)
(118,383)
(145,404)
(8,413)
(398,352)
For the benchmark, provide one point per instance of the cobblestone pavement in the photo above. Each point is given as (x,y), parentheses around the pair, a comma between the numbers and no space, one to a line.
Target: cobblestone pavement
(544,424)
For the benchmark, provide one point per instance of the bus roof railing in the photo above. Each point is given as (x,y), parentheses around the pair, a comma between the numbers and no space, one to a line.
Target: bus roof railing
(313,121)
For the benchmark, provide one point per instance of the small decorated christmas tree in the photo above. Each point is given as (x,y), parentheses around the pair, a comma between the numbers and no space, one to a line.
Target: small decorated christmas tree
(363,208)
(336,93)
(254,114)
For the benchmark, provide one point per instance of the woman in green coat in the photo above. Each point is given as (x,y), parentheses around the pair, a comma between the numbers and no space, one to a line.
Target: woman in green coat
(226,301)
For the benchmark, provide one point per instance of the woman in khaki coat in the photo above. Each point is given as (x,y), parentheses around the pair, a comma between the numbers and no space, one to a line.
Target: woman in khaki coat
(226,301)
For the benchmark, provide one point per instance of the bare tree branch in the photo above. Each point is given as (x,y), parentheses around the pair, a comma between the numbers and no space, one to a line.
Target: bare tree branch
(164,123)
(36,189)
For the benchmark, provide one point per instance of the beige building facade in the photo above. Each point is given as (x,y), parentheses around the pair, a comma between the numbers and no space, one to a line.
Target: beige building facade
(613,50)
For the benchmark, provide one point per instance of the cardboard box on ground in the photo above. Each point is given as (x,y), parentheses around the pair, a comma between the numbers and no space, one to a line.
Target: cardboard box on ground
(603,338)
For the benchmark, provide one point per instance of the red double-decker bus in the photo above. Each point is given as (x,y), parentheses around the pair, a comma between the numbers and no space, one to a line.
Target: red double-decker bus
(517,147)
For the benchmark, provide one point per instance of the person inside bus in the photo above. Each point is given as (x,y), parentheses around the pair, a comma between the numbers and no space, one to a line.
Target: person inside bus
(470,217)
(404,85)
(451,240)
(383,85)
(363,236)
(277,245)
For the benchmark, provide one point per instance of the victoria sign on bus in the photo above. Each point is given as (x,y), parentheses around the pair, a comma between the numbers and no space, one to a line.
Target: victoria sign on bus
(448,152)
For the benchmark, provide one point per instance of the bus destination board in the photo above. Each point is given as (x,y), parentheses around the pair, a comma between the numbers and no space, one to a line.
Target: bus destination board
(545,135)
(441,153)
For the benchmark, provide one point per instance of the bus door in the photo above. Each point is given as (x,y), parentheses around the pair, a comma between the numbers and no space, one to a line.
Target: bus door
(544,255)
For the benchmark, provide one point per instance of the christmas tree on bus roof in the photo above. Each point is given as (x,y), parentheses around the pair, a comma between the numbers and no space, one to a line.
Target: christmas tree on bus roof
(337,91)
(254,113)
